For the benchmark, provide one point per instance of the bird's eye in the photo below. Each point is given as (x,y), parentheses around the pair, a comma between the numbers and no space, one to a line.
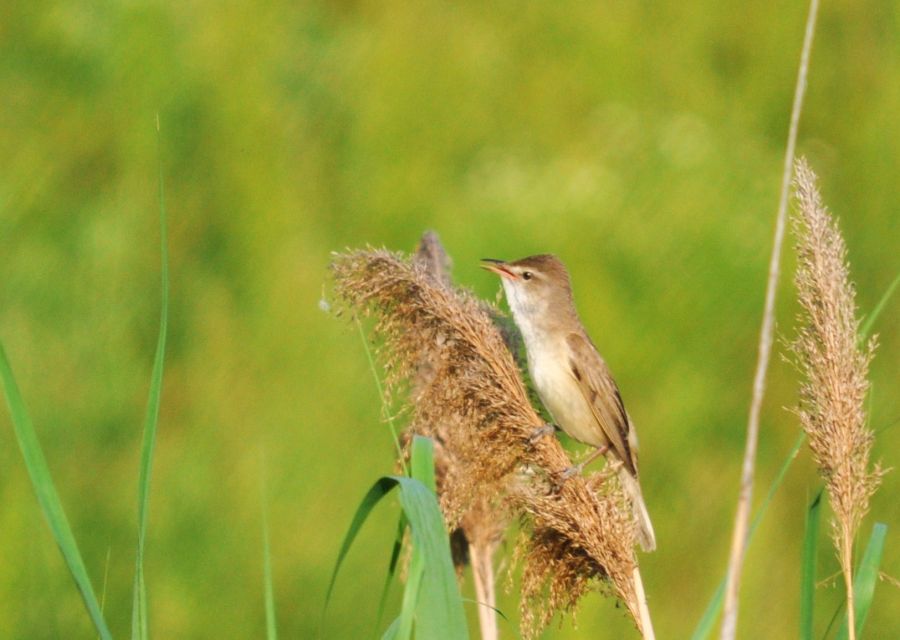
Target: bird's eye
(526,275)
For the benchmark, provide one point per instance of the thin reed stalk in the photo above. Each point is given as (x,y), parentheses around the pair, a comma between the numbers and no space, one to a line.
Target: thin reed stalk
(481,558)
(745,498)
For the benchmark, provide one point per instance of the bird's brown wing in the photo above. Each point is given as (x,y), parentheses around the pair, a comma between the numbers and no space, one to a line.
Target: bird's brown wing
(601,393)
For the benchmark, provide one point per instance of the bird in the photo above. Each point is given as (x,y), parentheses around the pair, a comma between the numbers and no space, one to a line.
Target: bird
(570,376)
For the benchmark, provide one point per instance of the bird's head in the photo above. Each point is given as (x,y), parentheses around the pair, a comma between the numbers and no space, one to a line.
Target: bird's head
(536,287)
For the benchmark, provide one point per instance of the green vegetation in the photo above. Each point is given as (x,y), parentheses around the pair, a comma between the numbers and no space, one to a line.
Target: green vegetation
(47,496)
(431,595)
(641,142)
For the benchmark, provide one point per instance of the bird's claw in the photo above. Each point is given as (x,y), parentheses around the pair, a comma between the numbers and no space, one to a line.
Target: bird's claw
(571,471)
(540,432)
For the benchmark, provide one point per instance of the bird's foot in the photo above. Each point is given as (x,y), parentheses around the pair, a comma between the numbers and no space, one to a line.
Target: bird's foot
(571,471)
(577,469)
(540,432)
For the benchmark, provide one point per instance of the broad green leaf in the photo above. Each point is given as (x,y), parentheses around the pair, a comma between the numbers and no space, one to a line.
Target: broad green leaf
(411,594)
(42,482)
(439,613)
(392,570)
(391,632)
(808,573)
(422,469)
(422,462)
(379,490)
(865,580)
(425,601)
(438,605)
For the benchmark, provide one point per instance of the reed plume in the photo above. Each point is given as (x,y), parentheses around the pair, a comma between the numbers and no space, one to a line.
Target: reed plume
(481,526)
(473,403)
(833,359)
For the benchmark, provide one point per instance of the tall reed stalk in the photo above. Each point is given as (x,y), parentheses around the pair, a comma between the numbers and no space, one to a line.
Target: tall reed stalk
(766,335)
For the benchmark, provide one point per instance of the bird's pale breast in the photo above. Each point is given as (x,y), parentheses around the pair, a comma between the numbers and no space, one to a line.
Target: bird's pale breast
(548,363)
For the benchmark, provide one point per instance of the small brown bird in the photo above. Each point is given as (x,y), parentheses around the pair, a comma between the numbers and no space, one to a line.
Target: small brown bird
(568,372)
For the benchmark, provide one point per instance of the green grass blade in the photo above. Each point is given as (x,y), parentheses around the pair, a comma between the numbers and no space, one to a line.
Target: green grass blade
(379,490)
(391,632)
(271,626)
(411,593)
(866,577)
(708,620)
(870,319)
(398,543)
(392,570)
(422,462)
(384,409)
(439,610)
(704,627)
(808,573)
(834,619)
(42,482)
(422,469)
(439,607)
(139,624)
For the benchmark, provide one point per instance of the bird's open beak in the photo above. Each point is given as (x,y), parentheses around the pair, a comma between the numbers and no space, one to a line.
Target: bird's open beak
(497,266)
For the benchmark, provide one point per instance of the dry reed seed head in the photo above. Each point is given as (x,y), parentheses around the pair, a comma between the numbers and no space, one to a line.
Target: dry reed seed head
(556,575)
(473,384)
(833,359)
(472,400)
(570,551)
(577,543)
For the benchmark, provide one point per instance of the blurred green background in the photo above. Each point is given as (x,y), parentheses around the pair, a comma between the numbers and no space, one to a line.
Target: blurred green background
(642,142)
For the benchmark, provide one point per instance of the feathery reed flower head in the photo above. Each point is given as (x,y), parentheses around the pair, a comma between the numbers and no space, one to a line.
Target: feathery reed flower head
(834,361)
(472,401)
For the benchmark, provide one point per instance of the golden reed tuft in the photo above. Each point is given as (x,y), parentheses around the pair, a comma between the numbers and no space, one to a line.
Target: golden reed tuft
(473,402)
(834,362)
(481,526)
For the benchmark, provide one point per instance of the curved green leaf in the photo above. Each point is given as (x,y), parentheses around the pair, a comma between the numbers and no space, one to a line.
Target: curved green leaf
(379,490)
(432,591)
(392,569)
(865,580)
(47,496)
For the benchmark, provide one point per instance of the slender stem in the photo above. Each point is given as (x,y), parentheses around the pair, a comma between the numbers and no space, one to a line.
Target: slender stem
(847,567)
(385,410)
(481,557)
(643,609)
(742,517)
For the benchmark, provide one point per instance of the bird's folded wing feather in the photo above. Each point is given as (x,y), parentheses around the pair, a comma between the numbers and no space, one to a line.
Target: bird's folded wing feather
(602,395)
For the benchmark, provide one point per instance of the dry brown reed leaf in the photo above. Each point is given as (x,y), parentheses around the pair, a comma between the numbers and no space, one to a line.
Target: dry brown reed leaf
(834,362)
(473,402)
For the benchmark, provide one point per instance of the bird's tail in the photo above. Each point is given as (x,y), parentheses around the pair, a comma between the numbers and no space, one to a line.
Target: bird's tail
(644,528)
